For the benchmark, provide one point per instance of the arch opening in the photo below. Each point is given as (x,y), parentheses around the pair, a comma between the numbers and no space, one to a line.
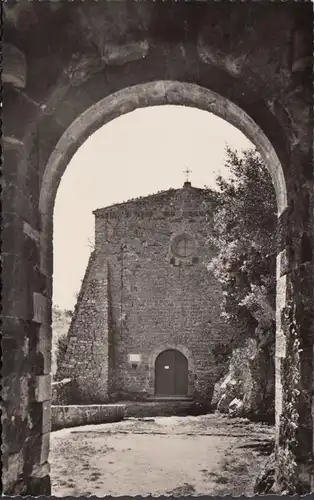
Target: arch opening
(171,374)
(125,101)
(139,96)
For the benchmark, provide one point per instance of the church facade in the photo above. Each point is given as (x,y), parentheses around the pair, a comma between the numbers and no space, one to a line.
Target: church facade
(148,323)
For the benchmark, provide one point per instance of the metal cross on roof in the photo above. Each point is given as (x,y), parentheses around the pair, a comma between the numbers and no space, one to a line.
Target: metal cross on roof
(187,172)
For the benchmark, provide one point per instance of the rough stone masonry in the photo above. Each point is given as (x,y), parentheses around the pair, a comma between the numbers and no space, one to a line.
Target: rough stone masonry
(71,67)
(147,290)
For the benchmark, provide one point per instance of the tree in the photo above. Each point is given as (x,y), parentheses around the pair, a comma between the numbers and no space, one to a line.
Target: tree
(244,236)
(61,319)
(62,344)
(245,264)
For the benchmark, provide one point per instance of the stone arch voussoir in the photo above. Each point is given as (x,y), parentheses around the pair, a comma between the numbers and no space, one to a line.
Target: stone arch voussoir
(138,96)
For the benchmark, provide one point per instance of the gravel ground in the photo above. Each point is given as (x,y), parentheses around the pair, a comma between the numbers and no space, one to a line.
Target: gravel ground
(204,455)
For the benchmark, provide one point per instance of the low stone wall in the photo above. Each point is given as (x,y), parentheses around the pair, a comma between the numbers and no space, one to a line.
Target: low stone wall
(76,415)
(163,408)
(78,391)
(61,391)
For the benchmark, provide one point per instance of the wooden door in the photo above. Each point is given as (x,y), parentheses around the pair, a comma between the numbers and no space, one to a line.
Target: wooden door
(171,374)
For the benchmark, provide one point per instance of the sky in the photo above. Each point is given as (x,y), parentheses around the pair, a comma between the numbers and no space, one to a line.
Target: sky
(137,154)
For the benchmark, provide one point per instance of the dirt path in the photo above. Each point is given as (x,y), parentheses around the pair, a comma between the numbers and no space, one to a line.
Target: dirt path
(205,455)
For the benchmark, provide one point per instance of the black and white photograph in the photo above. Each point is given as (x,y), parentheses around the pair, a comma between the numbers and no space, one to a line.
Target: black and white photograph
(157,248)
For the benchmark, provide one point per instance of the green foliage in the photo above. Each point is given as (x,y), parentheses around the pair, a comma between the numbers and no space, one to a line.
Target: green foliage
(221,352)
(61,319)
(244,236)
(62,344)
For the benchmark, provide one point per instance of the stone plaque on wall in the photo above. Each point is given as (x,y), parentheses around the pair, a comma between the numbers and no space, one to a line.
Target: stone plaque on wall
(134,358)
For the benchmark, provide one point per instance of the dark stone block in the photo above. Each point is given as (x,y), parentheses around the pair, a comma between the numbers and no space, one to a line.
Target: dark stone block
(31,250)
(306,248)
(32,453)
(38,417)
(17,104)
(11,161)
(308,169)
(14,430)
(17,299)
(11,232)
(13,357)
(38,486)
(282,231)
(17,199)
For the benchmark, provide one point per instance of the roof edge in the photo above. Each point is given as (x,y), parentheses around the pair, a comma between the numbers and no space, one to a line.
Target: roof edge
(151,196)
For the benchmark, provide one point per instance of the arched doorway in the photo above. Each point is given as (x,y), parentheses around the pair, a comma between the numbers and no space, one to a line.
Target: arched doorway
(171,374)
(158,93)
(276,99)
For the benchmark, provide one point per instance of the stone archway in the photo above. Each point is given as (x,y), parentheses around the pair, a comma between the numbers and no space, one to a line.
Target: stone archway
(192,47)
(150,94)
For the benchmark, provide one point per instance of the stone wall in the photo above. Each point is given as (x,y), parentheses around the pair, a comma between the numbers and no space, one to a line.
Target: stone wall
(86,358)
(255,64)
(157,300)
(74,416)
(165,301)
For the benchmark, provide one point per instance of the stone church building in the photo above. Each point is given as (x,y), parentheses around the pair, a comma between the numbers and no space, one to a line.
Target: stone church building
(147,323)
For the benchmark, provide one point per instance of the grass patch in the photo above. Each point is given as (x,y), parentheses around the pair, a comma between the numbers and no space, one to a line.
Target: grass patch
(221,480)
(94,476)
(184,490)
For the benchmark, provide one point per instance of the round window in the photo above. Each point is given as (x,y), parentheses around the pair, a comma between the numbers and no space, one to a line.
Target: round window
(183,246)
